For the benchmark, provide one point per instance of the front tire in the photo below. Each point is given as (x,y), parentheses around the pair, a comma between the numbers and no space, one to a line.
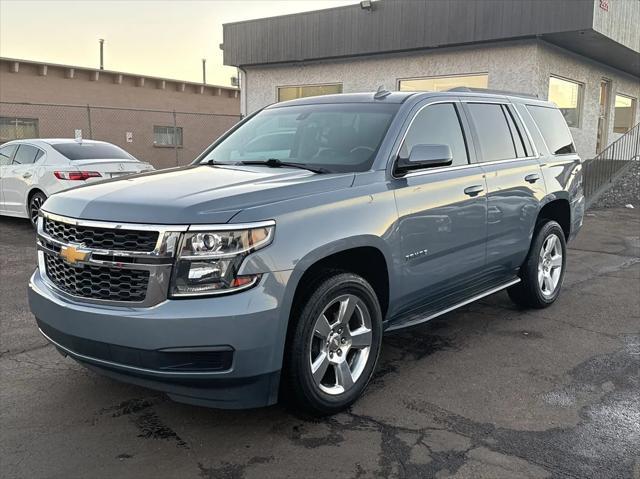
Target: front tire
(35,203)
(543,271)
(335,345)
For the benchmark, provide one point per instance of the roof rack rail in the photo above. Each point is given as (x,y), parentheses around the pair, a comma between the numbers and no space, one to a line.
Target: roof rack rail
(494,92)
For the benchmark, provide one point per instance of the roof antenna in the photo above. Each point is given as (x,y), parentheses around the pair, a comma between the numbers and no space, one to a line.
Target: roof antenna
(381,93)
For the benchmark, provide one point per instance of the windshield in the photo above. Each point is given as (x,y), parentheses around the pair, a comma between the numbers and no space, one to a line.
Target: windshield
(91,151)
(341,137)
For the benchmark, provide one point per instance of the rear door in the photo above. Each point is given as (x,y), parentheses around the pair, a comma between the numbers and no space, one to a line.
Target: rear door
(442,212)
(515,185)
(18,178)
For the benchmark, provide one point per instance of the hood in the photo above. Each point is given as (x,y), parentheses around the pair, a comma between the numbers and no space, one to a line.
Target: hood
(192,194)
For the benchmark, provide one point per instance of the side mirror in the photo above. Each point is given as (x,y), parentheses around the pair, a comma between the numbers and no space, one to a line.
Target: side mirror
(426,156)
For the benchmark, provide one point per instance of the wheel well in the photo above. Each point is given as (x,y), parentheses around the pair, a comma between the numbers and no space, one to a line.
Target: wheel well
(33,192)
(557,210)
(364,261)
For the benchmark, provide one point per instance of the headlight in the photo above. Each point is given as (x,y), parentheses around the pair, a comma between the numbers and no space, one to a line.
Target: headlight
(208,261)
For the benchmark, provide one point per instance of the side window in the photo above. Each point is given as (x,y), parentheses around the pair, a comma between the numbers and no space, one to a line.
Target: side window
(554,129)
(437,125)
(25,155)
(6,153)
(494,134)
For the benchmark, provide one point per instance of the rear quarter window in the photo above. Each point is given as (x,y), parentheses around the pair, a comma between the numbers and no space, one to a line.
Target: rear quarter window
(91,151)
(553,128)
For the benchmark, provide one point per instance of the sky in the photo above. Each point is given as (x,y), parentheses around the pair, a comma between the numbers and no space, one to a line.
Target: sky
(165,38)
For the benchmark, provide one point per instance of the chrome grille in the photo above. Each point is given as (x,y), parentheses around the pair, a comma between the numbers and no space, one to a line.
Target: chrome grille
(97,282)
(101,238)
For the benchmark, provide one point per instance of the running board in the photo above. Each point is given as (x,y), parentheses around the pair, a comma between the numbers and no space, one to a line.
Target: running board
(489,292)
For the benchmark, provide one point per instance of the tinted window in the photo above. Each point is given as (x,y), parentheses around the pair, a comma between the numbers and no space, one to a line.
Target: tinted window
(91,151)
(437,125)
(26,154)
(553,128)
(6,153)
(340,137)
(494,135)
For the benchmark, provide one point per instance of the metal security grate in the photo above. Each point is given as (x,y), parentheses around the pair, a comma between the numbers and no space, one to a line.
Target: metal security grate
(102,238)
(95,282)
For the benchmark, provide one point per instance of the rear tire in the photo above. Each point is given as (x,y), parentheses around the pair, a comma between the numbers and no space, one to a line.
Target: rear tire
(35,203)
(334,345)
(542,273)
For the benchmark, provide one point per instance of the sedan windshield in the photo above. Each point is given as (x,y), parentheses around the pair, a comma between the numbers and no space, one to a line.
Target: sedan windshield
(335,138)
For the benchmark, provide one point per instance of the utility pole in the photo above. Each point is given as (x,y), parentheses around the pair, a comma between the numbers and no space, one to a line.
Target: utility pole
(204,71)
(102,54)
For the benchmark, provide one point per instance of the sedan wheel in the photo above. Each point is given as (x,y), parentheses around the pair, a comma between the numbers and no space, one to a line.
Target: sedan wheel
(35,203)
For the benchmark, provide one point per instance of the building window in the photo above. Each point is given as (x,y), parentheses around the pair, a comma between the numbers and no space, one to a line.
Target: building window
(624,114)
(444,83)
(167,136)
(292,92)
(567,94)
(17,128)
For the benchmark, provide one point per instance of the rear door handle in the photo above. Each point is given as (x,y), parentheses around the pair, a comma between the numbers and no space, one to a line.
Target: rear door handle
(473,190)
(532,178)
(26,175)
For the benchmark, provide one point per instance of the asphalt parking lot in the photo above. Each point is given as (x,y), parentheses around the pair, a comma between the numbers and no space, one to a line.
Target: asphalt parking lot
(487,391)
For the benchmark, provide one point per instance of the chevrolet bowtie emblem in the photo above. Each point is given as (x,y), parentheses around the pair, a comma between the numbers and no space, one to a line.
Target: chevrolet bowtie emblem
(73,255)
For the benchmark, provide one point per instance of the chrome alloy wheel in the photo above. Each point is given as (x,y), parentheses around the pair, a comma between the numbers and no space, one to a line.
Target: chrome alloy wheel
(34,207)
(550,265)
(340,344)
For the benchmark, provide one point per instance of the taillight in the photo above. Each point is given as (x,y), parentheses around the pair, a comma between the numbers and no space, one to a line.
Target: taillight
(76,175)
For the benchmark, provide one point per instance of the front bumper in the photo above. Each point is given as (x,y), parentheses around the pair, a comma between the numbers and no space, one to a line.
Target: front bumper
(222,351)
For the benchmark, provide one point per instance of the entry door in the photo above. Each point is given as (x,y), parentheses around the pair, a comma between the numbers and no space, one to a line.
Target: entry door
(442,212)
(17,179)
(515,185)
(603,117)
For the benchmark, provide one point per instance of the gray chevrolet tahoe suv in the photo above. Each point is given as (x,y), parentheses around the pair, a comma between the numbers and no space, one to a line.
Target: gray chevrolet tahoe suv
(274,263)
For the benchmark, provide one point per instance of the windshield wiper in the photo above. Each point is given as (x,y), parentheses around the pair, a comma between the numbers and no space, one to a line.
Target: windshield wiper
(275,163)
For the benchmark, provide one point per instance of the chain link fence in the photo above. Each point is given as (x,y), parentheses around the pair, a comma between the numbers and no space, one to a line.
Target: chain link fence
(162,138)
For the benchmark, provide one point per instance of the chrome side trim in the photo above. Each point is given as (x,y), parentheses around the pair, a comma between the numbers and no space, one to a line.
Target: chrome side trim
(489,292)
(136,369)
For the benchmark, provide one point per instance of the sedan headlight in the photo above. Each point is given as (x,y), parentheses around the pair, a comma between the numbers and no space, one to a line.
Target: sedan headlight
(208,261)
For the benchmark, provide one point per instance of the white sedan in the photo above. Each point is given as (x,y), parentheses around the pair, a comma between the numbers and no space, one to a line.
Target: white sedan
(33,170)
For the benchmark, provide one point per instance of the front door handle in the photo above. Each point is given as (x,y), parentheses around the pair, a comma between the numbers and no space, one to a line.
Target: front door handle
(532,178)
(473,190)
(26,175)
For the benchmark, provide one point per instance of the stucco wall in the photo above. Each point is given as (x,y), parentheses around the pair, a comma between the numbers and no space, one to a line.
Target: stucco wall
(522,66)
(515,61)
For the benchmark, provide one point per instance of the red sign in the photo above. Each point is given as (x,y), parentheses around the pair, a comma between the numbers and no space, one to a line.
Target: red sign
(604,4)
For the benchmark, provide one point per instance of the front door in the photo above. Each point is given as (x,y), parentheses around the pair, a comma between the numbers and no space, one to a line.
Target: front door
(515,185)
(442,211)
(6,157)
(17,179)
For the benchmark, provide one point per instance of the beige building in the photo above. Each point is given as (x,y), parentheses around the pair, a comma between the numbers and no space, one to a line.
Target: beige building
(583,55)
(165,122)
